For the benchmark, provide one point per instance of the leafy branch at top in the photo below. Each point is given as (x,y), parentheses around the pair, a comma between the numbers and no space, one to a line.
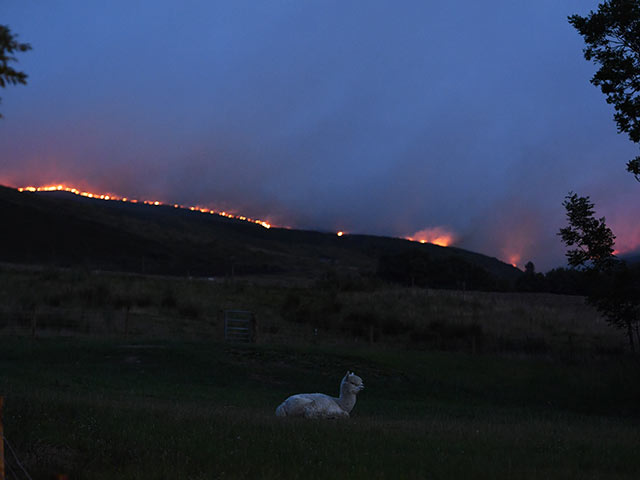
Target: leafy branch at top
(612,38)
(9,46)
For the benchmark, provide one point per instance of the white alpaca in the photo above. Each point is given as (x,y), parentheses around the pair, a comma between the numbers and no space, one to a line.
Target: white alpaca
(319,405)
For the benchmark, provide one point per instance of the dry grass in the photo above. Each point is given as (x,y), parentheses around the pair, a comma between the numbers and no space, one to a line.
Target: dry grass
(88,303)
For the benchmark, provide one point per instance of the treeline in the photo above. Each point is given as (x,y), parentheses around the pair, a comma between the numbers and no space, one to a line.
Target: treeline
(568,281)
(416,268)
(572,281)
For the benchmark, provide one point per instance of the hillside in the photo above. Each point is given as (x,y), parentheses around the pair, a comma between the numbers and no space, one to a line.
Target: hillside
(62,229)
(632,257)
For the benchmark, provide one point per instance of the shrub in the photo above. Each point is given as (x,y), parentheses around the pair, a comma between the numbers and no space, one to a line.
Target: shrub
(189,310)
(445,335)
(95,295)
(168,298)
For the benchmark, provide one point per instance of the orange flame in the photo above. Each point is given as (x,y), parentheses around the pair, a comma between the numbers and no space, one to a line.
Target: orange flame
(437,236)
(155,203)
(514,259)
(627,238)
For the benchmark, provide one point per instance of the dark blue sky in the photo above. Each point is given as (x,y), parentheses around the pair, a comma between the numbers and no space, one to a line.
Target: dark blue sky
(380,117)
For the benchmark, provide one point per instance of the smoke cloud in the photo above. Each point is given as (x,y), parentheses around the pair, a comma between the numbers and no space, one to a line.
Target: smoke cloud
(470,119)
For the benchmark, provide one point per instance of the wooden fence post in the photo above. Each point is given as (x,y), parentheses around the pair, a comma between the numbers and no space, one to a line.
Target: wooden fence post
(126,320)
(34,318)
(1,442)
(254,328)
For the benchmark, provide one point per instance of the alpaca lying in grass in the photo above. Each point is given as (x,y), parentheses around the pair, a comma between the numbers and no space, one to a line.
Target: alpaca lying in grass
(319,405)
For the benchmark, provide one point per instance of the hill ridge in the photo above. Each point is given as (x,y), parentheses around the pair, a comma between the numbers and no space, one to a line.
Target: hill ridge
(67,229)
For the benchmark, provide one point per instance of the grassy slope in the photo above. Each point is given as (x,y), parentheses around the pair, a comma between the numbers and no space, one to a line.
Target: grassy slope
(96,408)
(95,303)
(63,229)
(631,257)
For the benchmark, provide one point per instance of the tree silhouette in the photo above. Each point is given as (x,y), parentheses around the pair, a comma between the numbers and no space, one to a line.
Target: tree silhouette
(615,291)
(617,298)
(592,239)
(9,45)
(612,38)
(530,268)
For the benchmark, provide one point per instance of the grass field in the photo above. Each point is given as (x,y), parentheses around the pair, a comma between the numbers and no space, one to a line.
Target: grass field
(289,311)
(126,376)
(152,409)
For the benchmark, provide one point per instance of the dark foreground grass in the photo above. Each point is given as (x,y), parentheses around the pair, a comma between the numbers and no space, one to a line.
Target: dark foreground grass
(110,409)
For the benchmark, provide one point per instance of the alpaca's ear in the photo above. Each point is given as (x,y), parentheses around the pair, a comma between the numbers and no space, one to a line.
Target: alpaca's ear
(348,373)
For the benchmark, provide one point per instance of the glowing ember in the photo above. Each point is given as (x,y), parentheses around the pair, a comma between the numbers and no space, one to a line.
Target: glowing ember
(437,236)
(514,259)
(627,237)
(156,203)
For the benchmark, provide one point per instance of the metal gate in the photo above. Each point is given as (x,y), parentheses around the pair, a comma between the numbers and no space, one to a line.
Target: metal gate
(239,326)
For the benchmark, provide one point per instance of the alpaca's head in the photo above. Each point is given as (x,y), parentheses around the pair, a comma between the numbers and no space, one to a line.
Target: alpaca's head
(351,383)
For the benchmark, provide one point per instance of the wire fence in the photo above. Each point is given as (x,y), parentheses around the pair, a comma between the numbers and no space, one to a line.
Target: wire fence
(14,469)
(11,468)
(45,320)
(132,322)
